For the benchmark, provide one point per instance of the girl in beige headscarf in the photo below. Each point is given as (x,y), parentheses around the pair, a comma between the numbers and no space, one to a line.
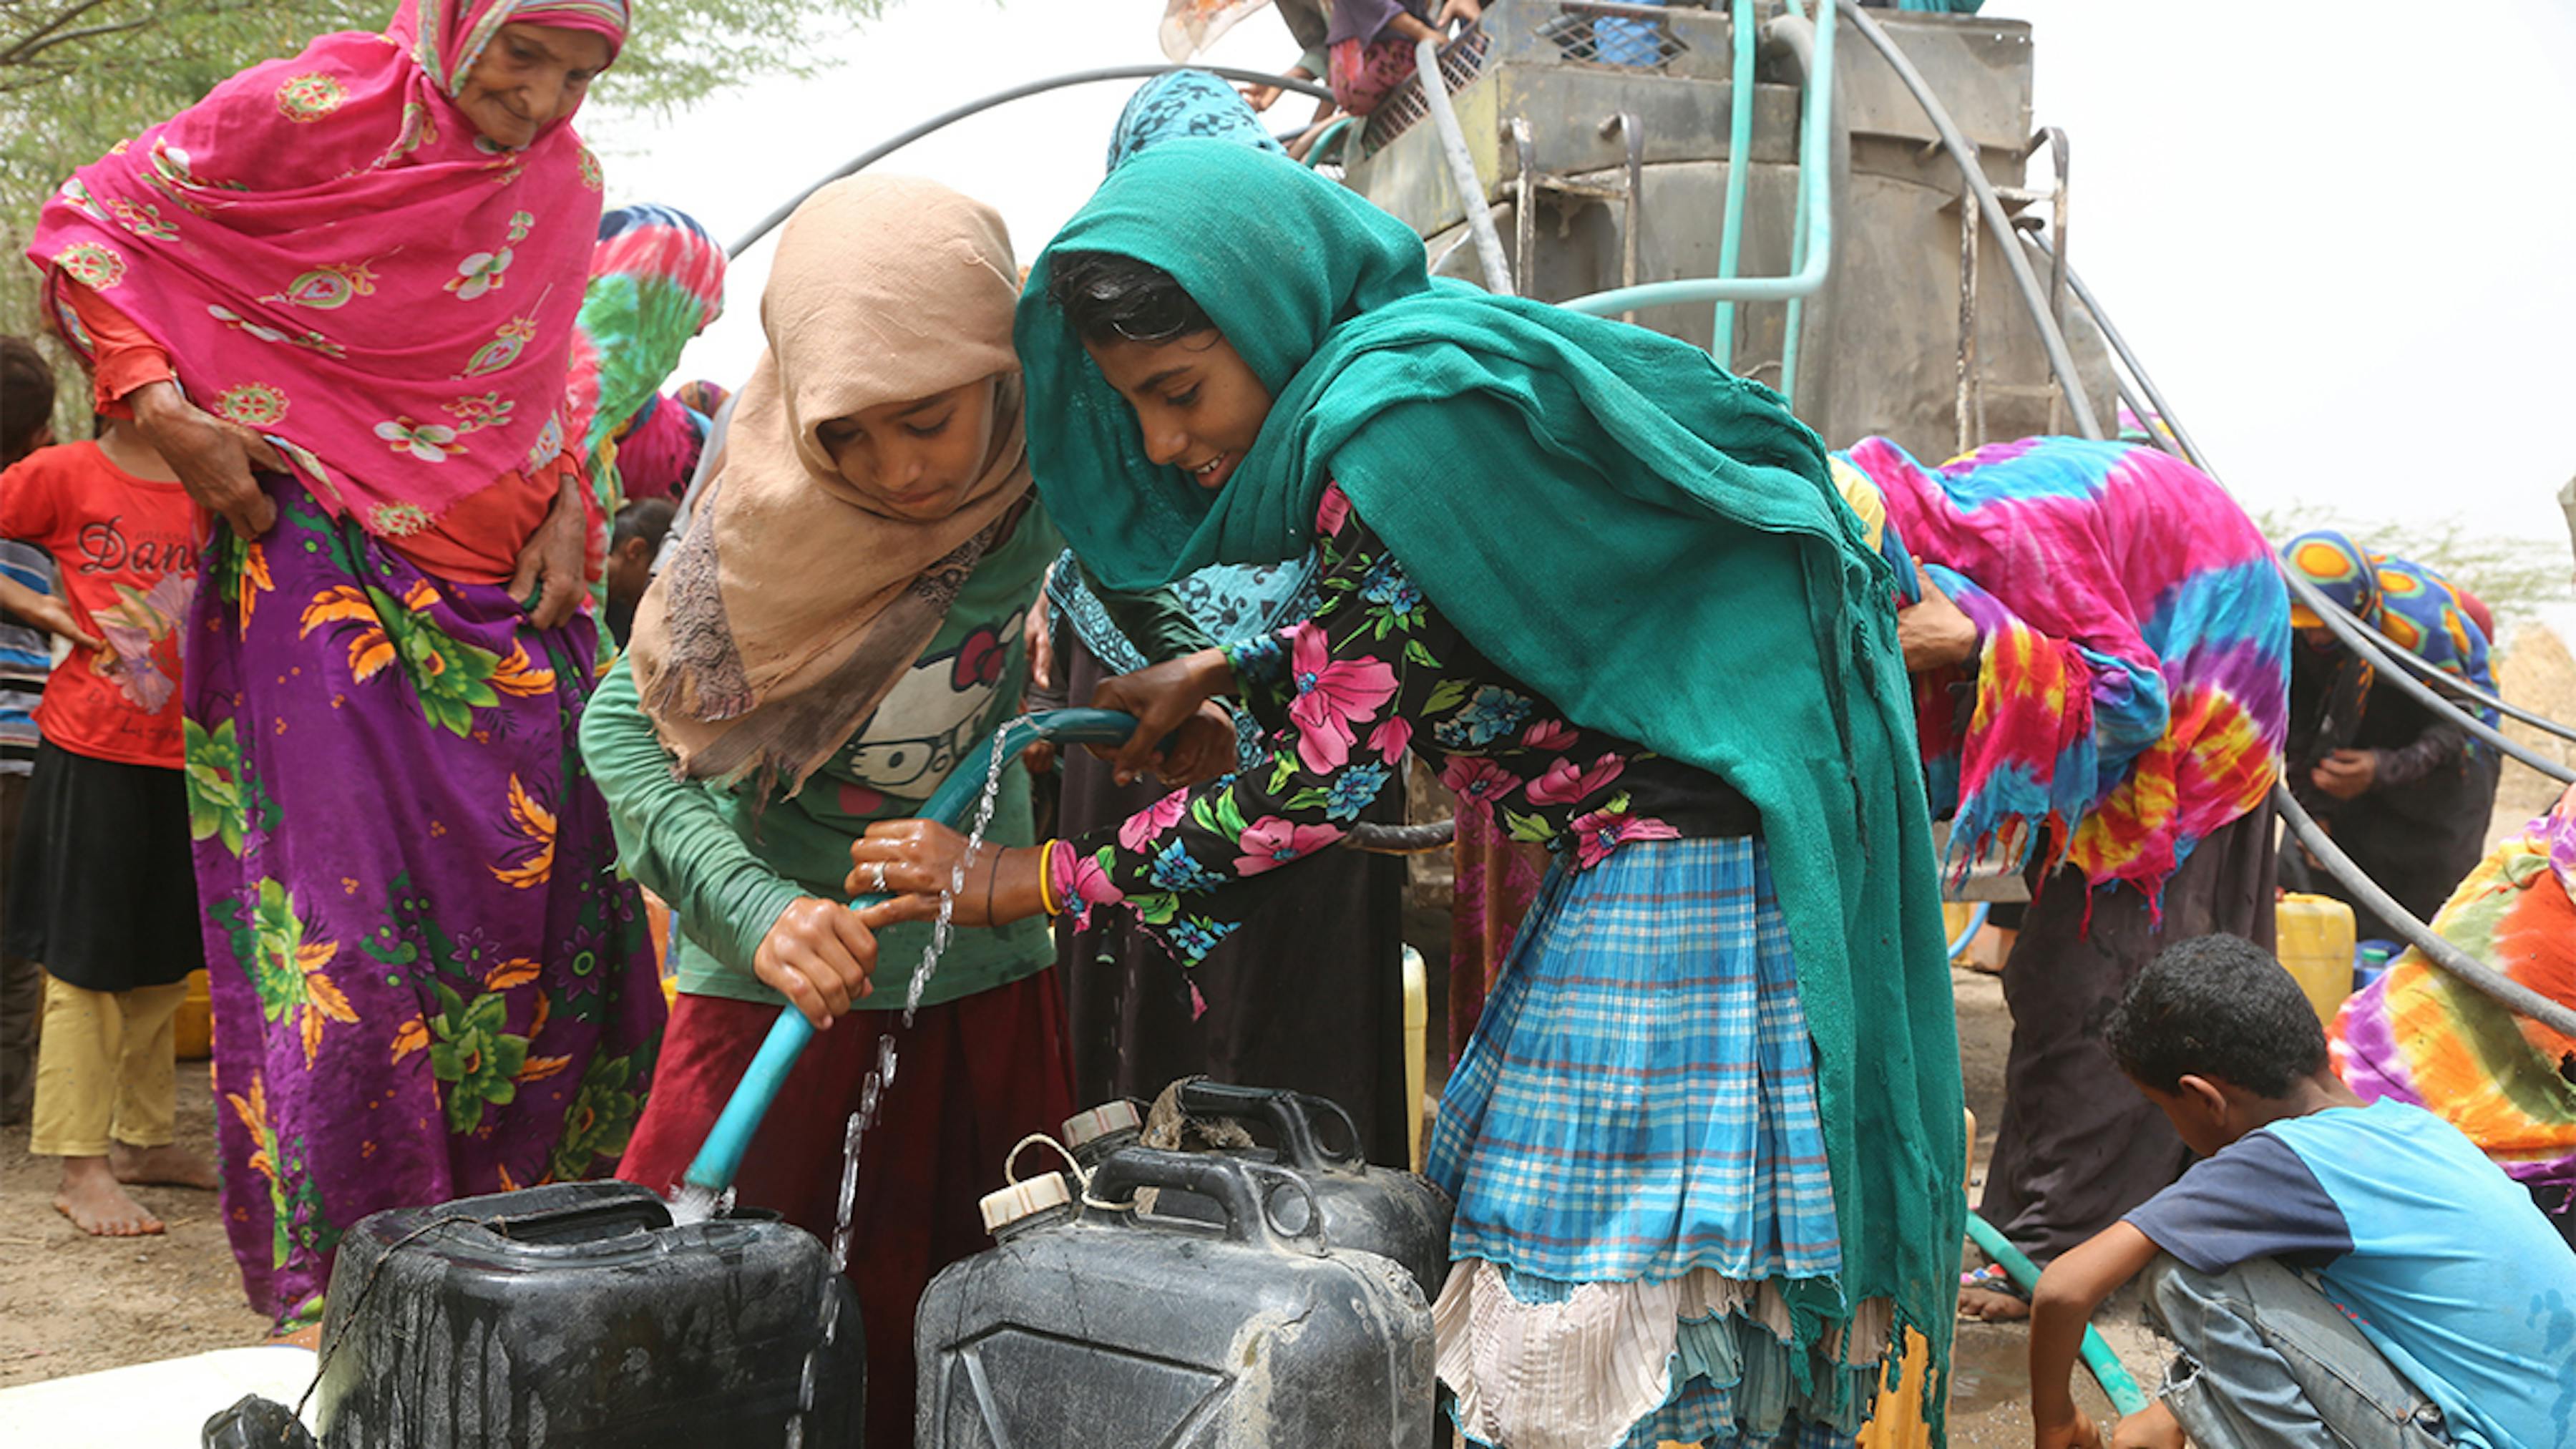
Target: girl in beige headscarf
(837,630)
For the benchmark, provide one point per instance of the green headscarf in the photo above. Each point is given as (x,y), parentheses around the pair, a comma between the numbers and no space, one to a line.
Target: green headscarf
(1649,541)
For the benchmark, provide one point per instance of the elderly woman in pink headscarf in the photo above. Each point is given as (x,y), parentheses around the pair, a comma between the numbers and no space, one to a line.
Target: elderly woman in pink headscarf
(338,294)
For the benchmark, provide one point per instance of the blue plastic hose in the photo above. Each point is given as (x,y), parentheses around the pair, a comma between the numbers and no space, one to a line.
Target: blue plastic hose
(720,1157)
(2117,1384)
(1976,923)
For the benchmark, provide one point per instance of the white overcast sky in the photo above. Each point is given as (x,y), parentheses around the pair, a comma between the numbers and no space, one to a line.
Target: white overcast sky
(2342,235)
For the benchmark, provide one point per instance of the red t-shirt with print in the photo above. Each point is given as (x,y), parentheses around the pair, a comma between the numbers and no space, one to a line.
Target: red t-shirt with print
(126,550)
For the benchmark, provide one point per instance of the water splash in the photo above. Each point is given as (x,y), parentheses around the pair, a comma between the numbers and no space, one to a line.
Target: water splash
(857,1129)
(691,1203)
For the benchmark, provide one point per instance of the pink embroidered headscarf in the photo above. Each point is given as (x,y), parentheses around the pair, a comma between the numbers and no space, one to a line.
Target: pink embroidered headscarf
(333,256)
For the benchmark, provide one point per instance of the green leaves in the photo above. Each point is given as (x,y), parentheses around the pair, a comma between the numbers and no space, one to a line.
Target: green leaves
(472,1056)
(214,794)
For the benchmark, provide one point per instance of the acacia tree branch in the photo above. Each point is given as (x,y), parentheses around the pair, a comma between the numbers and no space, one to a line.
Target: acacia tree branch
(28,53)
(34,40)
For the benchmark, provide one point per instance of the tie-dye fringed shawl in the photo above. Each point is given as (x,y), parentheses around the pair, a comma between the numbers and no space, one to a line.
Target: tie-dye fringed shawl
(2410,605)
(2419,1036)
(2132,694)
(656,281)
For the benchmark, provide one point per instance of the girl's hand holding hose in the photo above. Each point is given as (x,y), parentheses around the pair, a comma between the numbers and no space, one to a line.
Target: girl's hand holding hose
(913,861)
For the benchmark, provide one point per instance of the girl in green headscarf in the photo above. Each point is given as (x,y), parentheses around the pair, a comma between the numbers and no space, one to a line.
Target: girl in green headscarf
(1705,1144)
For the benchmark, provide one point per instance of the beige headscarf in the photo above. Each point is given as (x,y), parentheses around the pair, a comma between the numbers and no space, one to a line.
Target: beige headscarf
(794,605)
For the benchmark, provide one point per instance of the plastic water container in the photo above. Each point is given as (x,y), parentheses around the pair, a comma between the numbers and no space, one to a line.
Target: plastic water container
(1379,1210)
(2315,935)
(1397,1215)
(1417,1031)
(576,1316)
(192,1029)
(1087,1327)
(2370,961)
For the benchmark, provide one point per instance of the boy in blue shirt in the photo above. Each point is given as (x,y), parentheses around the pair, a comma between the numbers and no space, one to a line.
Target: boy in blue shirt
(2334,1274)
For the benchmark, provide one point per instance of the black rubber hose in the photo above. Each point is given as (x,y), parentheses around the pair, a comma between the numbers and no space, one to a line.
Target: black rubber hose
(2509,993)
(945,119)
(1379,839)
(2191,454)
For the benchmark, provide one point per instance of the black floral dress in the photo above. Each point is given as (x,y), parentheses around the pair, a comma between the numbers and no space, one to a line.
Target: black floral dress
(1343,695)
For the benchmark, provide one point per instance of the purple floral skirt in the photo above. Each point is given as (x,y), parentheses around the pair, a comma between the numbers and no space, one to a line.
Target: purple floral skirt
(428,980)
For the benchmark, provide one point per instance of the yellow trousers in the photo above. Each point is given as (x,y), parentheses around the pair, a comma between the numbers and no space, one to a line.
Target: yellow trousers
(104,1070)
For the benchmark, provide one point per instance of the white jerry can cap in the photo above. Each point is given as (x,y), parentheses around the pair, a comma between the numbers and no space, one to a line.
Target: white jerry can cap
(1101,1121)
(1025,1199)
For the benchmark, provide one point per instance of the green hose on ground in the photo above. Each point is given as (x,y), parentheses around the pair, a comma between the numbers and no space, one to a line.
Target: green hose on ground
(2117,1386)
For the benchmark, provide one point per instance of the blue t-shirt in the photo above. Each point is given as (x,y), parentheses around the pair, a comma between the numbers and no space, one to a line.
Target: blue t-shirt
(2439,1259)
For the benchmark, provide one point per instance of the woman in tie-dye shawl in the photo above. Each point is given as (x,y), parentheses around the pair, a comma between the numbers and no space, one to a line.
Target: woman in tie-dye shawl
(2406,791)
(2420,1036)
(2113,730)
(656,281)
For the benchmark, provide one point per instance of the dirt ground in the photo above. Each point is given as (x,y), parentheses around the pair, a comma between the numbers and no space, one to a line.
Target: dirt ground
(2538,674)
(70,1304)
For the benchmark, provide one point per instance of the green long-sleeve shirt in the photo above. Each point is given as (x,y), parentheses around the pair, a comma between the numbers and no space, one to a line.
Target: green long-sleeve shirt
(729,861)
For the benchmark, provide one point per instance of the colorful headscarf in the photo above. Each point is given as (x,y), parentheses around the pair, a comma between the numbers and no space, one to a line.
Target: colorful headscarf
(333,256)
(2133,690)
(2420,1035)
(450,35)
(1646,540)
(701,396)
(1186,103)
(794,602)
(656,281)
(2411,606)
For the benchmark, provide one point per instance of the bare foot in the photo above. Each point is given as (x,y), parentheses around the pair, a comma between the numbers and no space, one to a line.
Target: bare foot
(168,1166)
(2153,1427)
(96,1202)
(1987,1305)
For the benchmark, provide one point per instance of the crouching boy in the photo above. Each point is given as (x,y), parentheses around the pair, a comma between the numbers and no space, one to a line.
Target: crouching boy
(2333,1274)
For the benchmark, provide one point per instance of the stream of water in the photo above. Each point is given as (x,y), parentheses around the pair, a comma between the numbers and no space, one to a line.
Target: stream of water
(880,1078)
(691,1203)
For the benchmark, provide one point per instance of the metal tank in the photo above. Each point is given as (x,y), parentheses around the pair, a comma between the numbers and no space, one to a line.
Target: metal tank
(1609,124)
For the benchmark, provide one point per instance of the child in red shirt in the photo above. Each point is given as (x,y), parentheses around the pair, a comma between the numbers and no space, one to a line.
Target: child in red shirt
(101,888)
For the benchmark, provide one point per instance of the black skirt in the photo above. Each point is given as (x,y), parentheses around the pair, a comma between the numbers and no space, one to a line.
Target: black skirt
(103,889)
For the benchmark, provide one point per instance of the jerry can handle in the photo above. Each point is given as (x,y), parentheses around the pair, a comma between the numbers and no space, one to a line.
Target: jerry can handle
(1293,1113)
(1237,1186)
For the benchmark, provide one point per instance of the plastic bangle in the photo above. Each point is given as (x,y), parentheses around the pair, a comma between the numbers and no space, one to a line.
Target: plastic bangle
(1046,879)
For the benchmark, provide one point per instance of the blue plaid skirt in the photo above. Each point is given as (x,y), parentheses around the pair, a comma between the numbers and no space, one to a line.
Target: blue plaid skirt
(1639,1102)
(1640,1096)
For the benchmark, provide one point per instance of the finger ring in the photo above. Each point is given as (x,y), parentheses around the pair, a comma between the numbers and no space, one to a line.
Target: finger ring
(876,877)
